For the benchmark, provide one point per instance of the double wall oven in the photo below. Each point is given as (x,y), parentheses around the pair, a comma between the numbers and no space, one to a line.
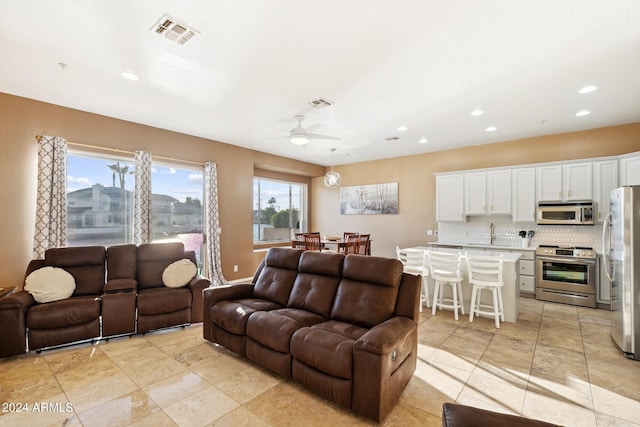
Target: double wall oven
(566,275)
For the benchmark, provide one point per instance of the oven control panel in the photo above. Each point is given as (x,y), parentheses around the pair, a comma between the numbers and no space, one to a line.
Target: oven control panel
(584,253)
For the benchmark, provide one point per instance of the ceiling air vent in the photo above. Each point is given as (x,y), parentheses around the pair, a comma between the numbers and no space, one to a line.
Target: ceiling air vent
(320,103)
(174,31)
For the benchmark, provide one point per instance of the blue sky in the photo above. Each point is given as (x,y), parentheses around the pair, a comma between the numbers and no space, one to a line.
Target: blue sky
(84,171)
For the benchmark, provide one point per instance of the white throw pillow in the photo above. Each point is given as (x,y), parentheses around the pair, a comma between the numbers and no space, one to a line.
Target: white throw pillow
(179,273)
(48,284)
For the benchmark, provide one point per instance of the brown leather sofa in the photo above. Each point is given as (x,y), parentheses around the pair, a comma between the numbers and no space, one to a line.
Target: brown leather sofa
(119,291)
(345,327)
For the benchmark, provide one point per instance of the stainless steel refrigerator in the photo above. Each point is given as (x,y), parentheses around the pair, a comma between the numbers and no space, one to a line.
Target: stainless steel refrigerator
(621,259)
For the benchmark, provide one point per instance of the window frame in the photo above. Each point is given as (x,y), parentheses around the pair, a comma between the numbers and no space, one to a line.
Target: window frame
(303,214)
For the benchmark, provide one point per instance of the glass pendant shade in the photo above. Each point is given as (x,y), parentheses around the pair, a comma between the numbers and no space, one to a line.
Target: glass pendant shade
(332,178)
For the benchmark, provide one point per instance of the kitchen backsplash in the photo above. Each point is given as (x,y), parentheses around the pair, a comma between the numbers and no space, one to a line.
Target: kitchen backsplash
(477,231)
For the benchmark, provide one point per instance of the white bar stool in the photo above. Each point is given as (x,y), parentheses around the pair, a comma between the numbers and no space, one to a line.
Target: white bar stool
(444,268)
(485,273)
(414,262)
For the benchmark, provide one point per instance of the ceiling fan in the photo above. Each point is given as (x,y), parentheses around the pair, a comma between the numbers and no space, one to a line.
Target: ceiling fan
(300,135)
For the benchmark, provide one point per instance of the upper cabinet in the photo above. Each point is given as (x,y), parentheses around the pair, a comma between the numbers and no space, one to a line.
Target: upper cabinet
(487,193)
(605,179)
(524,194)
(450,197)
(558,183)
(630,170)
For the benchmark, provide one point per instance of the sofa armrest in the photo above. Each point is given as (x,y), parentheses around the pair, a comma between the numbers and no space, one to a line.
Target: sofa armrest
(120,285)
(382,339)
(384,360)
(228,292)
(197,285)
(13,318)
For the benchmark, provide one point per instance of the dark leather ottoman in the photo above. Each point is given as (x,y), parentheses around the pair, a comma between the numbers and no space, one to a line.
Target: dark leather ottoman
(455,415)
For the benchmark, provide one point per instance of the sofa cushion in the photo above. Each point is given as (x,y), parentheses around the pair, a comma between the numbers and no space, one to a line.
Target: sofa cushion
(316,283)
(273,329)
(85,263)
(327,347)
(232,316)
(153,258)
(277,277)
(122,261)
(63,313)
(179,273)
(49,284)
(368,291)
(163,300)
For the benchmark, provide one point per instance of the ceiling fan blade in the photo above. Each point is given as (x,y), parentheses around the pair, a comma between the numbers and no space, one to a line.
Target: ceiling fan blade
(313,127)
(318,136)
(279,137)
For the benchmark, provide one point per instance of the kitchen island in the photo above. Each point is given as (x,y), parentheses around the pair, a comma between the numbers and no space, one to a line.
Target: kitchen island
(510,290)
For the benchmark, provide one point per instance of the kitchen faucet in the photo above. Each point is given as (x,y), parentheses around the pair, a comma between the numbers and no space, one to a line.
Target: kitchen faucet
(492,234)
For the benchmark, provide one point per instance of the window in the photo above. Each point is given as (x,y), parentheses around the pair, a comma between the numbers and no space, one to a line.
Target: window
(280,209)
(100,202)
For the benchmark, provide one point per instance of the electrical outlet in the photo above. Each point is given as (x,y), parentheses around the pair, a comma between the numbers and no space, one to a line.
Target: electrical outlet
(235,268)
(429,232)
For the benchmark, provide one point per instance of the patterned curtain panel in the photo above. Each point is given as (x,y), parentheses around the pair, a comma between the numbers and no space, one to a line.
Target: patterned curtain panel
(142,216)
(211,226)
(51,207)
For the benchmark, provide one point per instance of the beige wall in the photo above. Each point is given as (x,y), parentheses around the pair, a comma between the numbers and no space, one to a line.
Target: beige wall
(416,181)
(22,119)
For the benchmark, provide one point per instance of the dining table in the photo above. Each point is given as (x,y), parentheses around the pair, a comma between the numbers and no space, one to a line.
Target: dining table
(329,243)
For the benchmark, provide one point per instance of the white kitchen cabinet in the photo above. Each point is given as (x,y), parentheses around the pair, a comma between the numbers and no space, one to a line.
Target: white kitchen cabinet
(487,193)
(523,194)
(557,183)
(475,193)
(499,192)
(528,273)
(630,170)
(450,197)
(605,179)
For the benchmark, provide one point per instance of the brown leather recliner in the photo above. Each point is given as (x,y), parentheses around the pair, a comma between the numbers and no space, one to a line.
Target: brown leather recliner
(76,318)
(159,306)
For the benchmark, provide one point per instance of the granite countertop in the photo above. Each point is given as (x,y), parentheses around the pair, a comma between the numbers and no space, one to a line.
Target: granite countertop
(480,246)
(507,256)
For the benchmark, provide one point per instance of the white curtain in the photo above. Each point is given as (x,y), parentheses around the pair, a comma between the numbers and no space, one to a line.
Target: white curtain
(211,226)
(51,204)
(142,216)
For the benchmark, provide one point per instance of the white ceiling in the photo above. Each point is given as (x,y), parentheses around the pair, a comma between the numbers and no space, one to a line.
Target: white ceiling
(423,64)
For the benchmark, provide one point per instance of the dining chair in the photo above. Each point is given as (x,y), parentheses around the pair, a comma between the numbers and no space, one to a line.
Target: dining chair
(298,241)
(352,244)
(312,242)
(365,248)
(414,261)
(486,273)
(347,234)
(445,269)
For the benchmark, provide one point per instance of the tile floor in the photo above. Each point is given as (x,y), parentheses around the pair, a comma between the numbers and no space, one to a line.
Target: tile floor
(557,363)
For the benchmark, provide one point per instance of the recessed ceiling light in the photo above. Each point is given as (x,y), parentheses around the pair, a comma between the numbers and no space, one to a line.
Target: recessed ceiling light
(129,75)
(422,140)
(477,112)
(583,113)
(588,89)
(402,128)
(491,129)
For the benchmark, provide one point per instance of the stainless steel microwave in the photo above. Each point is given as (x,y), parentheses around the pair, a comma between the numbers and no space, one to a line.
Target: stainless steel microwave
(566,213)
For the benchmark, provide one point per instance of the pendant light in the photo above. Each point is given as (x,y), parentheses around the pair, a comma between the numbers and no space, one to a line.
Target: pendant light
(332,178)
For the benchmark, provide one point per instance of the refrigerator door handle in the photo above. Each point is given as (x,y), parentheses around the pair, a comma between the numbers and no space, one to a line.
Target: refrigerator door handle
(606,237)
